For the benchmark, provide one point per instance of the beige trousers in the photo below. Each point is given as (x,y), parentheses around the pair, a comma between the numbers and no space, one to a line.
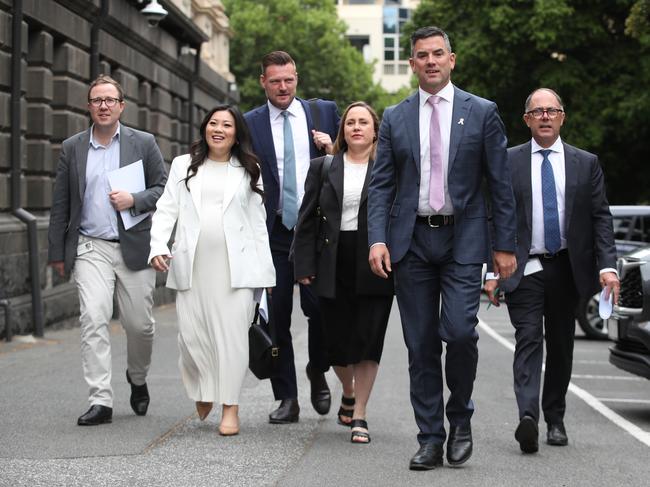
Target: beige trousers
(99,273)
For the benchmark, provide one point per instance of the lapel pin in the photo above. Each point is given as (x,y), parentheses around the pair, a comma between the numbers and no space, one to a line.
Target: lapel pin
(461,121)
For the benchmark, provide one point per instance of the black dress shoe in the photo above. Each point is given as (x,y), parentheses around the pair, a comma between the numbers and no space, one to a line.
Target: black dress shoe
(556,435)
(526,434)
(428,457)
(286,413)
(139,397)
(459,445)
(321,398)
(96,415)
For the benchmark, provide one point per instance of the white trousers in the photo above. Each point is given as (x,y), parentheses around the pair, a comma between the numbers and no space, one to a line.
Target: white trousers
(99,274)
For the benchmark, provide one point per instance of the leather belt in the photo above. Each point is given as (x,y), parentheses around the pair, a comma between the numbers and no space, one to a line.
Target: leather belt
(435,221)
(547,256)
(112,240)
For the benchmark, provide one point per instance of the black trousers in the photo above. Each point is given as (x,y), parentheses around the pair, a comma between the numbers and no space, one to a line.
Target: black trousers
(284,384)
(542,309)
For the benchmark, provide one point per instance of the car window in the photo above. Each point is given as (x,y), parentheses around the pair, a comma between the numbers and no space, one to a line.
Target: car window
(622,227)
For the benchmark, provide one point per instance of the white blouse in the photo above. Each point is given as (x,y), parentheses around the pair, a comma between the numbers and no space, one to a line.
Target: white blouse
(354,175)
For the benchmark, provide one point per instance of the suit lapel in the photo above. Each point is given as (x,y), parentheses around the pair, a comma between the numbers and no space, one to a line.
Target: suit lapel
(81,156)
(313,152)
(235,174)
(523,165)
(411,119)
(335,176)
(460,113)
(195,187)
(571,171)
(127,149)
(262,130)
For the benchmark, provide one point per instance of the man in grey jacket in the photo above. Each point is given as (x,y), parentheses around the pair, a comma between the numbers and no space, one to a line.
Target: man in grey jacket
(104,250)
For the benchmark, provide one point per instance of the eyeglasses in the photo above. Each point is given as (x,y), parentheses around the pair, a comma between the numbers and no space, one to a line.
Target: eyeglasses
(109,101)
(539,112)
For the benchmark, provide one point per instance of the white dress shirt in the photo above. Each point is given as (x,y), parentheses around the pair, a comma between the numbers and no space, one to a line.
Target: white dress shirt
(445,109)
(537,245)
(301,138)
(354,175)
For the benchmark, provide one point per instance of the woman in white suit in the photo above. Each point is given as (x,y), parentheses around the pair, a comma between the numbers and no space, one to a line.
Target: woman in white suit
(219,256)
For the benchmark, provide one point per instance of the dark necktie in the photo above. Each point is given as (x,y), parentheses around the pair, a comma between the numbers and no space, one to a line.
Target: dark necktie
(289,186)
(549,200)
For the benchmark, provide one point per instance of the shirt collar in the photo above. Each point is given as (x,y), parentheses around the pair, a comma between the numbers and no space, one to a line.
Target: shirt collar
(556,147)
(95,145)
(276,112)
(447,94)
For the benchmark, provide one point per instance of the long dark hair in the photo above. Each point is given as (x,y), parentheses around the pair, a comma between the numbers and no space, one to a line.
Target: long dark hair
(242,150)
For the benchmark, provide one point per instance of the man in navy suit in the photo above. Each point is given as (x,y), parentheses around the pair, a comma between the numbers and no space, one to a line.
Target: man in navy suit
(427,222)
(285,139)
(565,246)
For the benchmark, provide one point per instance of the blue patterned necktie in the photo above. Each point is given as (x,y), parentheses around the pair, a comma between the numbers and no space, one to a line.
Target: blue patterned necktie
(289,186)
(549,200)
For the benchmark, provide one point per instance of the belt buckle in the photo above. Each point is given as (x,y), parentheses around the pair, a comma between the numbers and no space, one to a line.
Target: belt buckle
(547,255)
(429,222)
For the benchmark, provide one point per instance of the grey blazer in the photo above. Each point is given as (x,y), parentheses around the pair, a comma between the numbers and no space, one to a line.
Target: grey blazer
(65,214)
(588,221)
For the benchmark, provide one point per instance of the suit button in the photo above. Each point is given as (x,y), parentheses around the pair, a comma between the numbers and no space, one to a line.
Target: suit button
(327,241)
(324,218)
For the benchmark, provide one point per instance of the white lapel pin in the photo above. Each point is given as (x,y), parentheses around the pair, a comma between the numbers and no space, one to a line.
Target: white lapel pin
(461,121)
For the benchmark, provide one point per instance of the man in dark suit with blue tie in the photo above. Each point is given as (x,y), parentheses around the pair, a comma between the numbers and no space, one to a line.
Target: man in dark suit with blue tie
(427,223)
(565,246)
(285,139)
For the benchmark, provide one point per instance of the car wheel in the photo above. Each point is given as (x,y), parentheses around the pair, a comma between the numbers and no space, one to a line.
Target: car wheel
(589,319)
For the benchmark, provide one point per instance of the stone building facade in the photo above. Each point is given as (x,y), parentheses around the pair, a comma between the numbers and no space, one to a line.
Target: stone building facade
(171,74)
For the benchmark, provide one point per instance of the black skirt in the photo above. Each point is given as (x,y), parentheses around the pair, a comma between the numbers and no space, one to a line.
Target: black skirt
(354,324)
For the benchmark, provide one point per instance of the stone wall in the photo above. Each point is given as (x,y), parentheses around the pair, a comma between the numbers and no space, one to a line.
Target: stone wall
(56,69)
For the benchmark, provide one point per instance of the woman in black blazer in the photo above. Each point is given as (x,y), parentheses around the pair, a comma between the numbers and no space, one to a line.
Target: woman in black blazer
(331,254)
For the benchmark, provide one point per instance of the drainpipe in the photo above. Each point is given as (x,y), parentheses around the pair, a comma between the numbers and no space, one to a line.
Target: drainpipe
(94,39)
(190,96)
(16,156)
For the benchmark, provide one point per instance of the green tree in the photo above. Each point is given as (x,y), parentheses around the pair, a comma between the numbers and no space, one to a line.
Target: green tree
(328,65)
(580,48)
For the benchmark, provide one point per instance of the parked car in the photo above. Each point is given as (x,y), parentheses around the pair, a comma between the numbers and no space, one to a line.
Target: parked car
(629,326)
(631,231)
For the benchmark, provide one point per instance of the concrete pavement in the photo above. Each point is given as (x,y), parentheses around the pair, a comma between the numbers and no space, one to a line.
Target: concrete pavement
(42,392)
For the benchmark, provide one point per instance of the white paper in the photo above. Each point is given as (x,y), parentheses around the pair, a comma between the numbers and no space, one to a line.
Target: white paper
(605,304)
(129,178)
(532,266)
(260,297)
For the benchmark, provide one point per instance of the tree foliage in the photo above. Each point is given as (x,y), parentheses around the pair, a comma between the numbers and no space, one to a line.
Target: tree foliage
(580,48)
(328,65)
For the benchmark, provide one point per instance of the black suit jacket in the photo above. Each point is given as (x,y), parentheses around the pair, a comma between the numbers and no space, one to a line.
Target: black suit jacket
(259,123)
(588,221)
(317,232)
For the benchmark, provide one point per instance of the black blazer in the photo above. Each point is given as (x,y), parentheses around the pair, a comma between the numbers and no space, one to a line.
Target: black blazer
(588,221)
(317,233)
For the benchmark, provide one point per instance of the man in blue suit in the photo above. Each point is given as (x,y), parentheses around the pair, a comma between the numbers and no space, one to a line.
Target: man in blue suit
(285,139)
(427,222)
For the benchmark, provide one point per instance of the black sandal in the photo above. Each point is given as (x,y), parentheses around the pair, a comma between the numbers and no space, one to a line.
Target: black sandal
(359,423)
(346,413)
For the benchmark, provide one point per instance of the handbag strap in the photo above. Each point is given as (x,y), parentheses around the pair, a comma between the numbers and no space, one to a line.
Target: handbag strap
(327,162)
(270,323)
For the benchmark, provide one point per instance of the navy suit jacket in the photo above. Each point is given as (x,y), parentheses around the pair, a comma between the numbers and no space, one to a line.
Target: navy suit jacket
(259,124)
(477,150)
(588,221)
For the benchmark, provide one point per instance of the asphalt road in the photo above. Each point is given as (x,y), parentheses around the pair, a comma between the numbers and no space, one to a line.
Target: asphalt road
(42,392)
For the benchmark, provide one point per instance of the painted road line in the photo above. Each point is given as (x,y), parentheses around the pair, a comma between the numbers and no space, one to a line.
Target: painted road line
(631,428)
(627,401)
(607,377)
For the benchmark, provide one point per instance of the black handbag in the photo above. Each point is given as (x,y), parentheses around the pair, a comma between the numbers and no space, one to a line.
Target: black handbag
(263,351)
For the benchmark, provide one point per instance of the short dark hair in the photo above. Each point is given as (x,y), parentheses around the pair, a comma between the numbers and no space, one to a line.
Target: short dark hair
(276,58)
(104,79)
(552,92)
(426,32)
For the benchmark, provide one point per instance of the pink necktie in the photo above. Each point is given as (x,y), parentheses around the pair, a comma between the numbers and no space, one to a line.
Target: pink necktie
(436,176)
